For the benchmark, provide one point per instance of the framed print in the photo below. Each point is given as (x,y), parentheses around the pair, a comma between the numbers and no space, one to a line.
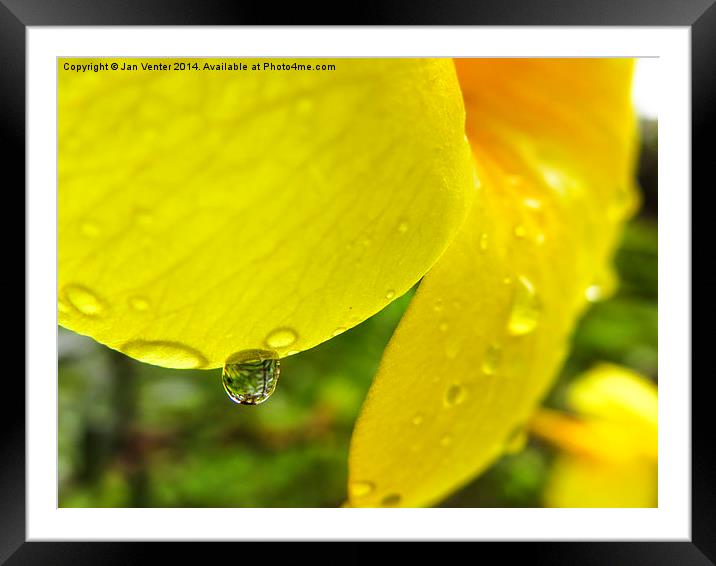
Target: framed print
(423,282)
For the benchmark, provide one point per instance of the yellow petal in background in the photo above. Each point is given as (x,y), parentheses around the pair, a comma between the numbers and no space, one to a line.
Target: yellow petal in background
(553,144)
(206,212)
(608,449)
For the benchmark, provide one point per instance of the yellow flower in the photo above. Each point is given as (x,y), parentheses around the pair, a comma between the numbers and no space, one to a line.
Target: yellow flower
(203,213)
(609,448)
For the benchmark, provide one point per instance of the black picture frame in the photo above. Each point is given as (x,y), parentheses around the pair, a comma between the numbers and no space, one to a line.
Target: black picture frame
(17,15)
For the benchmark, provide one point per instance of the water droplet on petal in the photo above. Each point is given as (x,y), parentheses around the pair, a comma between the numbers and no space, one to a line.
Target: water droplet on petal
(443,327)
(90,229)
(360,488)
(454,394)
(84,300)
(403,227)
(164,353)
(139,304)
(418,419)
(526,308)
(520,231)
(281,338)
(532,203)
(603,288)
(250,376)
(390,294)
(438,306)
(516,440)
(483,242)
(391,500)
(446,440)
(491,360)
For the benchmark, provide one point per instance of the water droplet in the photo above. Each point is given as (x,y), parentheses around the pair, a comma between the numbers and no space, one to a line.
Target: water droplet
(446,440)
(454,394)
(418,419)
(403,227)
(164,353)
(250,376)
(483,242)
(438,306)
(451,350)
(339,330)
(281,338)
(304,105)
(491,360)
(390,294)
(443,327)
(84,300)
(139,304)
(360,488)
(532,203)
(540,238)
(143,216)
(603,288)
(62,306)
(526,308)
(516,440)
(391,500)
(520,231)
(90,229)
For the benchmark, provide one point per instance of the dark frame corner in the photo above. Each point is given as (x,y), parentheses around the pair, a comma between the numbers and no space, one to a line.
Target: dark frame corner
(16,15)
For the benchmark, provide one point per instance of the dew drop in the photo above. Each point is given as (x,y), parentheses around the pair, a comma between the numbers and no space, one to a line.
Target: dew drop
(281,338)
(483,242)
(164,353)
(443,327)
(418,419)
(516,440)
(139,304)
(390,294)
(526,308)
(602,288)
(520,231)
(305,105)
(84,300)
(438,306)
(143,216)
(339,330)
(403,227)
(391,500)
(90,229)
(446,440)
(491,360)
(532,203)
(454,395)
(250,376)
(360,488)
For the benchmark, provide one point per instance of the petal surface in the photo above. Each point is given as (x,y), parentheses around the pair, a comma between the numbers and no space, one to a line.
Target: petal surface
(205,212)
(553,144)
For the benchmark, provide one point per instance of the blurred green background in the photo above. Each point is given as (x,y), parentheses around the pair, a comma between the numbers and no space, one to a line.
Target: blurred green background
(136,435)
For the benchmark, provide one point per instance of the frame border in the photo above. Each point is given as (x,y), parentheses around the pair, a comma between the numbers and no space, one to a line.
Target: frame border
(16,15)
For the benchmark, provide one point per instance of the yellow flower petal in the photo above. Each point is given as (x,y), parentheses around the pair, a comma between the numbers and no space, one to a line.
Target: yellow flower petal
(576,482)
(482,340)
(206,212)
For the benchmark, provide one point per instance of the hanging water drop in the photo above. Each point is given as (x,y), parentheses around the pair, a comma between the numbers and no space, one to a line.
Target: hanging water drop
(526,308)
(250,376)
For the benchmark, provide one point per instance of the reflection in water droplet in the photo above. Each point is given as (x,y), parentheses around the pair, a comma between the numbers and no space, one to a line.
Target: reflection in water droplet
(360,488)
(390,294)
(250,376)
(281,338)
(454,395)
(139,304)
(90,229)
(516,440)
(491,360)
(526,308)
(418,419)
(483,242)
(84,300)
(164,353)
(391,500)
